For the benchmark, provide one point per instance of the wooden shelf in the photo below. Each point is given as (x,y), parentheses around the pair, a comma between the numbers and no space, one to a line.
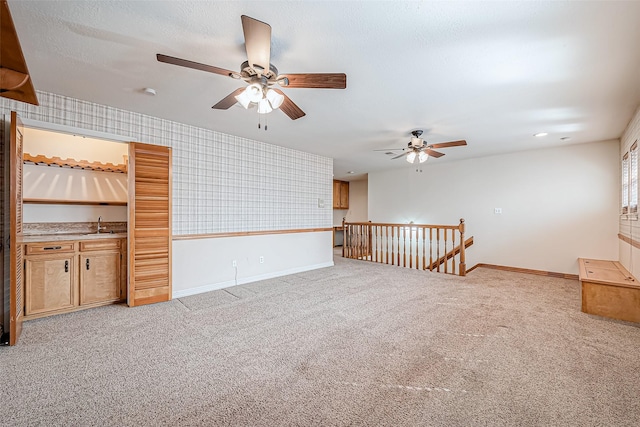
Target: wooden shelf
(75,202)
(41,160)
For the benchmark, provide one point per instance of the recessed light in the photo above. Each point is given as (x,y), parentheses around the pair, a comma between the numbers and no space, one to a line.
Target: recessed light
(351,172)
(539,134)
(149,91)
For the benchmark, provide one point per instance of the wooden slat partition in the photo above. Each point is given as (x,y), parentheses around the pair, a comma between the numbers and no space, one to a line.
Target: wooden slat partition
(149,224)
(421,246)
(16,268)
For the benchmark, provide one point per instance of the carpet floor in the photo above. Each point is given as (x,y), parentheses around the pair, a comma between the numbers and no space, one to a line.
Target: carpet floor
(357,344)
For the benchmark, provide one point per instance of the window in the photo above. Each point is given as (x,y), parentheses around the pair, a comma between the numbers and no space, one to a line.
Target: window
(633,179)
(630,181)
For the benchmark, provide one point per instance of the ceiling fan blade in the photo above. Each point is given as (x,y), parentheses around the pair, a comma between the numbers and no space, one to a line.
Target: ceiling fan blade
(15,82)
(449,144)
(289,107)
(195,65)
(316,81)
(257,42)
(401,155)
(228,100)
(432,153)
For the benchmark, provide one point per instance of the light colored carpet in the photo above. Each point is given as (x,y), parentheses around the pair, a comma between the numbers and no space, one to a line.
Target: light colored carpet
(357,344)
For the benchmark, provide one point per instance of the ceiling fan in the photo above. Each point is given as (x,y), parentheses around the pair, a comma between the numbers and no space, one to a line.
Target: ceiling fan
(418,150)
(262,76)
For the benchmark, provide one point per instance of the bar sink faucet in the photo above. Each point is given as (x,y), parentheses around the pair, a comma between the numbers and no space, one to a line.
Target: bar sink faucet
(99,226)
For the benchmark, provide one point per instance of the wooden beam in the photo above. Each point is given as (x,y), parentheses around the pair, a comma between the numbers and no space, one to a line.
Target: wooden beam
(12,60)
(11,79)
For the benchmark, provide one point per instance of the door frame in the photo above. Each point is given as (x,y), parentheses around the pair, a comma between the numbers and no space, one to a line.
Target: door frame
(12,326)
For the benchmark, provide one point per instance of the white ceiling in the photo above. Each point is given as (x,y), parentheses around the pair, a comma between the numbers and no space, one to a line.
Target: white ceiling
(493,73)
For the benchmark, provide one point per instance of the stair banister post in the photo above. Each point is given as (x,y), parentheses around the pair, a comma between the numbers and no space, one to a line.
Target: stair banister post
(463,263)
(370,241)
(344,236)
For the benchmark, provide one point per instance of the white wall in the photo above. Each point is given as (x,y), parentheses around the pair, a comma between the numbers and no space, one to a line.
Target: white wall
(557,204)
(51,182)
(52,213)
(358,201)
(338,214)
(201,265)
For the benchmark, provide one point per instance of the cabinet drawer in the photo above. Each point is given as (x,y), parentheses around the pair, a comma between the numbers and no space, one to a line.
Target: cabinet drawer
(99,245)
(49,247)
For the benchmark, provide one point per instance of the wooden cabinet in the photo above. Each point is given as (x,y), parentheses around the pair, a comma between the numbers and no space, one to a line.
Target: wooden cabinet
(49,283)
(340,194)
(72,275)
(100,271)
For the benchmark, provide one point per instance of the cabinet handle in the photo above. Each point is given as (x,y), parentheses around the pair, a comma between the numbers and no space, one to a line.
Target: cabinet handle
(87,263)
(52,248)
(66,266)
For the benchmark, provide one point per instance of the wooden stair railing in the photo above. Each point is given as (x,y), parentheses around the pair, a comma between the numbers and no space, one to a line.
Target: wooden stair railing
(455,251)
(420,246)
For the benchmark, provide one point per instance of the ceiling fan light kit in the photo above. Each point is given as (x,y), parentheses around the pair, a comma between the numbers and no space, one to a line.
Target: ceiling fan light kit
(421,156)
(261,75)
(418,150)
(264,106)
(274,98)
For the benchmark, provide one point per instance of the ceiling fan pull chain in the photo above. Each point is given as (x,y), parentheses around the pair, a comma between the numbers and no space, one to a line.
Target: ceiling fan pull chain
(265,122)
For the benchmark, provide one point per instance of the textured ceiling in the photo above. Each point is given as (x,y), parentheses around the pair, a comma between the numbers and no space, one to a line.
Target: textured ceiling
(493,73)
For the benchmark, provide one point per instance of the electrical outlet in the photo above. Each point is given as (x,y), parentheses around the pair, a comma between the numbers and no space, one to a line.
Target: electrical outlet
(261,260)
(234,263)
(497,211)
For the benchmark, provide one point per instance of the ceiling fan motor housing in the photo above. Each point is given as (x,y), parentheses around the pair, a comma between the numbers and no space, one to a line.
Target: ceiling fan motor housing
(416,142)
(248,72)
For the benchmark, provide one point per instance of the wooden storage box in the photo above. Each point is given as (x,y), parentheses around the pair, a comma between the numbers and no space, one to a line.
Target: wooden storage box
(609,290)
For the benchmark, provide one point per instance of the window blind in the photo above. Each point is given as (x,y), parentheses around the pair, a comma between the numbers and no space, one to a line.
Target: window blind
(633,172)
(625,183)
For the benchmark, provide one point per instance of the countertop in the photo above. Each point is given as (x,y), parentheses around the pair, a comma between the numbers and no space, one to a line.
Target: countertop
(75,236)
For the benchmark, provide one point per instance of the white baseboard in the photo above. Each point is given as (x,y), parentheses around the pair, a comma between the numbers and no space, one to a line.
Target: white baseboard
(245,280)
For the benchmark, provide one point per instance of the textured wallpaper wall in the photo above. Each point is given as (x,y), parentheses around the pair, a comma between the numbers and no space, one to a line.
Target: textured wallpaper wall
(218,185)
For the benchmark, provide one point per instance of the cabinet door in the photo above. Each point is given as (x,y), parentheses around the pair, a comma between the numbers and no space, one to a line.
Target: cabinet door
(49,283)
(99,277)
(344,195)
(336,194)
(149,224)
